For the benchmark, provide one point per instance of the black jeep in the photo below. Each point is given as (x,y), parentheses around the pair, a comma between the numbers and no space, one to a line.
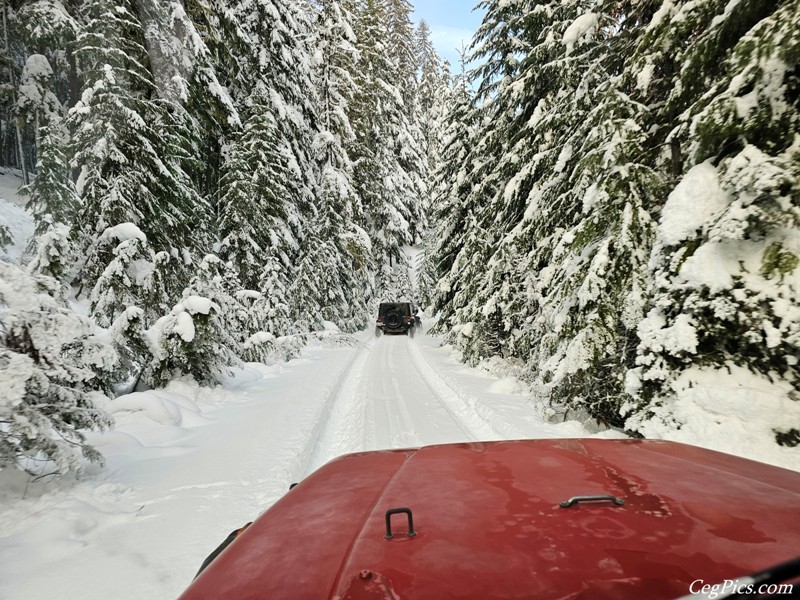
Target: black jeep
(395,317)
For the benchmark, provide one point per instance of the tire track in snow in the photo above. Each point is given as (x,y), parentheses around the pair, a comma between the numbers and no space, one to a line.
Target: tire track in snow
(302,445)
(437,395)
(403,431)
(376,403)
(340,427)
(405,408)
(462,411)
(391,400)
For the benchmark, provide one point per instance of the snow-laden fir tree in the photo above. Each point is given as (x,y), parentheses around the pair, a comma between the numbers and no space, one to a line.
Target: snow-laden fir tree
(127,297)
(387,157)
(727,260)
(166,283)
(202,335)
(257,218)
(398,285)
(191,341)
(402,47)
(428,67)
(474,143)
(190,45)
(432,100)
(217,281)
(553,264)
(125,144)
(54,255)
(37,105)
(277,54)
(54,371)
(274,285)
(52,199)
(436,103)
(340,246)
(592,228)
(269,327)
(589,113)
(410,140)
(48,28)
(473,198)
(260,345)
(450,213)
(124,262)
(44,29)
(51,196)
(274,90)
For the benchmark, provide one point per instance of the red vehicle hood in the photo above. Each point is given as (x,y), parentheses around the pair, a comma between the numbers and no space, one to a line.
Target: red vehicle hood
(490,526)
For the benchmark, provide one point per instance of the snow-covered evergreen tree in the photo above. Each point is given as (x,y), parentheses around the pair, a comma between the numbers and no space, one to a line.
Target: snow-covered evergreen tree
(557,206)
(41,33)
(478,215)
(191,340)
(409,138)
(436,103)
(47,28)
(257,218)
(54,255)
(52,198)
(398,285)
(428,66)
(191,47)
(201,336)
(218,282)
(37,105)
(388,159)
(402,48)
(587,115)
(593,225)
(268,202)
(165,284)
(126,260)
(54,372)
(129,338)
(125,144)
(726,257)
(277,54)
(271,312)
(339,247)
(451,214)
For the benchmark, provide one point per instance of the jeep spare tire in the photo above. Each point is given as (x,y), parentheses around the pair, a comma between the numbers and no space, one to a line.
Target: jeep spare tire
(393,319)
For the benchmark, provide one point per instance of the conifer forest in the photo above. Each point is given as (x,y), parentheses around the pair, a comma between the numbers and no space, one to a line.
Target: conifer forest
(604,200)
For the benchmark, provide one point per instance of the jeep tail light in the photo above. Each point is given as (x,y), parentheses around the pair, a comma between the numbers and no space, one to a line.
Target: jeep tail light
(380,319)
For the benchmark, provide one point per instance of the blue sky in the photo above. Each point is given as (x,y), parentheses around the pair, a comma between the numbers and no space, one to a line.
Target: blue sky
(451,21)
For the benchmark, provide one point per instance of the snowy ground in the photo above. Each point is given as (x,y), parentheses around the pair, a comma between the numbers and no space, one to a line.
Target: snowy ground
(187,465)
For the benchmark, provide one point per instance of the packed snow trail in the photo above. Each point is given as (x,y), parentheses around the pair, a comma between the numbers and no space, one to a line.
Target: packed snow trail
(402,408)
(186,465)
(386,402)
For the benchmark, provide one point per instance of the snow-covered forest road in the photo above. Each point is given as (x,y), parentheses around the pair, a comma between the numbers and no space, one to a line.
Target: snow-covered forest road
(204,200)
(187,464)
